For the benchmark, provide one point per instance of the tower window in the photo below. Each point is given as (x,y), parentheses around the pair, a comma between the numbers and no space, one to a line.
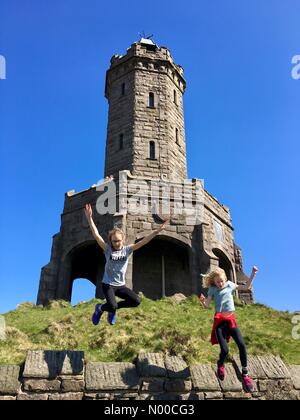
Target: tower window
(151,100)
(121,142)
(175,97)
(123,89)
(152,150)
(219,233)
(177,135)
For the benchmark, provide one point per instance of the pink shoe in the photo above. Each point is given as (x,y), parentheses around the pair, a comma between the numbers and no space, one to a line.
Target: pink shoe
(221,373)
(248,384)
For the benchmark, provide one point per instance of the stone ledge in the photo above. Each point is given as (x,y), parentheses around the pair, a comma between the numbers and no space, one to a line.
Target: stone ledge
(204,379)
(66,397)
(151,365)
(295,374)
(111,376)
(8,398)
(155,377)
(51,364)
(32,397)
(177,368)
(71,385)
(38,386)
(9,380)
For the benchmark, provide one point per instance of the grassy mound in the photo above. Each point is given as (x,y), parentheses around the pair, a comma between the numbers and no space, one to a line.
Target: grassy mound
(175,328)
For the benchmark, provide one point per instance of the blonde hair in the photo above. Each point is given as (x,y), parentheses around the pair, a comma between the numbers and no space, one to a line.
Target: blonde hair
(114,231)
(209,279)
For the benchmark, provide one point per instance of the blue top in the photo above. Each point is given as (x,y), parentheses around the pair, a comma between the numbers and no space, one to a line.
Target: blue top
(116,265)
(223,297)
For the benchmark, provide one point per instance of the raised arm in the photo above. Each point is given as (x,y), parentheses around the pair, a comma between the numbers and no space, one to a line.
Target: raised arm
(248,285)
(149,238)
(89,215)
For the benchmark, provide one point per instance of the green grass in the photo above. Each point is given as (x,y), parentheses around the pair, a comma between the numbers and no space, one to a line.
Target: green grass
(156,326)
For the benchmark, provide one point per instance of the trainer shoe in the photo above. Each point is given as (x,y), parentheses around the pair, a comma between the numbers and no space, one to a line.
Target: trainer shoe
(248,384)
(97,314)
(112,318)
(221,373)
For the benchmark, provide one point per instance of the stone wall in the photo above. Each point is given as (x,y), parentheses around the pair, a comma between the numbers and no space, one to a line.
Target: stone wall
(51,375)
(74,255)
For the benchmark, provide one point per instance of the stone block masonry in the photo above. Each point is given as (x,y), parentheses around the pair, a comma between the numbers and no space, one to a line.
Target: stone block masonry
(65,375)
(145,138)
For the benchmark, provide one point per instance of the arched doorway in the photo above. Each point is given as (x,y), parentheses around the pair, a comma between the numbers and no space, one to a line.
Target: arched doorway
(86,261)
(82,290)
(162,268)
(224,263)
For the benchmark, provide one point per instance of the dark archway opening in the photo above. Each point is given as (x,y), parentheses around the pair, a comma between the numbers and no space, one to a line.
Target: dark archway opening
(87,262)
(224,263)
(162,268)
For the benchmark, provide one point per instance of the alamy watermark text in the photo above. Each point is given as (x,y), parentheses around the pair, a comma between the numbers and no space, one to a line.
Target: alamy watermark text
(296,68)
(2,68)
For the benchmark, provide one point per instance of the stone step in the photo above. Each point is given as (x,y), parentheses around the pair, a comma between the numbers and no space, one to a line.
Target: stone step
(51,364)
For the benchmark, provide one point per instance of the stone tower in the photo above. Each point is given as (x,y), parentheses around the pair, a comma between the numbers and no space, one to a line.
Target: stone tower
(145,145)
(146,132)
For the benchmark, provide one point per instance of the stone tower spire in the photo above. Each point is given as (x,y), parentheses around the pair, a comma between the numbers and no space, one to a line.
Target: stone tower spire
(145,132)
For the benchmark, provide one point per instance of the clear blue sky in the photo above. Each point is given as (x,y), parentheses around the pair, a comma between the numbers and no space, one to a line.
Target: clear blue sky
(242,112)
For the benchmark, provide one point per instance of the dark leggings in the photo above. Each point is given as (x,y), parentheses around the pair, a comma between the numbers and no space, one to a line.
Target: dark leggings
(222,332)
(131,299)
